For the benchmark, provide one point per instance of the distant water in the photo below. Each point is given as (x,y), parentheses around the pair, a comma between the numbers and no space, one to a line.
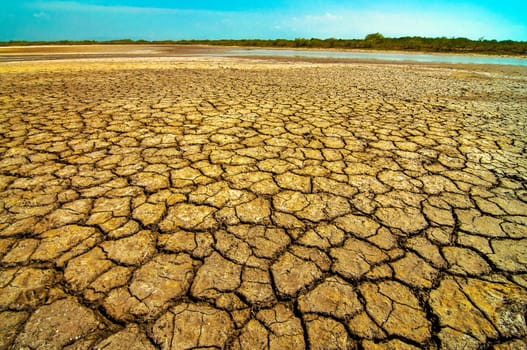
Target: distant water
(383,56)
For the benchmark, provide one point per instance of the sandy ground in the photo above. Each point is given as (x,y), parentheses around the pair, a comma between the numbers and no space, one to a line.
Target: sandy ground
(56,52)
(187,202)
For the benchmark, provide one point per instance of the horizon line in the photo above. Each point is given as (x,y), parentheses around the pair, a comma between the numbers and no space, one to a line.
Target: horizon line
(482,39)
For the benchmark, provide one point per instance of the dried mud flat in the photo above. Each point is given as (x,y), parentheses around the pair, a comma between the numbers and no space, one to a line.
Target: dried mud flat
(186,203)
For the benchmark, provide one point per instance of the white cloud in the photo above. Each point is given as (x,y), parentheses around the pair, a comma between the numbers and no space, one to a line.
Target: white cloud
(328,16)
(356,24)
(77,6)
(40,15)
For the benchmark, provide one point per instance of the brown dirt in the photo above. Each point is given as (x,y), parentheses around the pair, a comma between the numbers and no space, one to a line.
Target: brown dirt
(174,203)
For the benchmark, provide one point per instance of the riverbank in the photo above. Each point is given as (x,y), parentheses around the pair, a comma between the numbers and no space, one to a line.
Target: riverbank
(24,53)
(374,41)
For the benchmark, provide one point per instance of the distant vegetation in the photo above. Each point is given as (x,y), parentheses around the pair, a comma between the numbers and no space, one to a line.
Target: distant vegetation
(375,41)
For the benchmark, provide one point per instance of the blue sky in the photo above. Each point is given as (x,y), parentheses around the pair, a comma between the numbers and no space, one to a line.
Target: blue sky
(265,19)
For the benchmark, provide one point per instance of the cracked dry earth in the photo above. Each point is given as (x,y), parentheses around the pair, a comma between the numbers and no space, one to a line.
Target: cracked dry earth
(241,204)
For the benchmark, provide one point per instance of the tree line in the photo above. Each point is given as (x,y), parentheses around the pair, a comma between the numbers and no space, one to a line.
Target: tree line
(374,41)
